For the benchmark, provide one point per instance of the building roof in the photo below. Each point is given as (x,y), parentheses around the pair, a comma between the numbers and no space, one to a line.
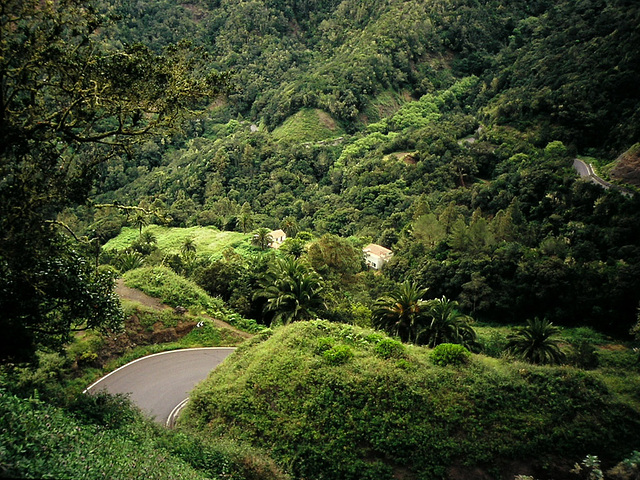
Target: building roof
(378,250)
(278,233)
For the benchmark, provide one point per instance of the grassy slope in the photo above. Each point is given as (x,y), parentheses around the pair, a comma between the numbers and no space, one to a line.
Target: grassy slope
(373,417)
(174,290)
(308,125)
(208,240)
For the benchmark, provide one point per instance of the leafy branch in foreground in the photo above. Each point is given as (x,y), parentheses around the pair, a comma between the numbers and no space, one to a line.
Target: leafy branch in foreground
(69,102)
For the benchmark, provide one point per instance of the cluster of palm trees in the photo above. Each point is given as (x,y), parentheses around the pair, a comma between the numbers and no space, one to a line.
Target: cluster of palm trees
(406,314)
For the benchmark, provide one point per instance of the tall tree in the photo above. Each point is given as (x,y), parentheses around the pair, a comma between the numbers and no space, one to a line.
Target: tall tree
(245,219)
(70,101)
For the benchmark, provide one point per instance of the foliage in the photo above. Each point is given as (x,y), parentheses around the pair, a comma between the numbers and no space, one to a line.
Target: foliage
(98,435)
(535,343)
(310,414)
(450,354)
(338,354)
(331,255)
(445,324)
(262,238)
(400,313)
(308,125)
(583,355)
(70,101)
(592,464)
(129,260)
(41,441)
(174,290)
(292,291)
(627,469)
(389,348)
(63,295)
(209,241)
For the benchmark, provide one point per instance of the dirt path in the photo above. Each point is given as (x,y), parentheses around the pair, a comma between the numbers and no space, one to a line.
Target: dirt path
(135,295)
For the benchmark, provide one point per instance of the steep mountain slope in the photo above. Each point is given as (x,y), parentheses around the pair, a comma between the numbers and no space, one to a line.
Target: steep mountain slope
(565,68)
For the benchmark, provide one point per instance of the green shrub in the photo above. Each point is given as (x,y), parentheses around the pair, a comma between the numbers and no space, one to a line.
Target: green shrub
(38,440)
(494,345)
(389,348)
(338,355)
(450,354)
(583,355)
(324,344)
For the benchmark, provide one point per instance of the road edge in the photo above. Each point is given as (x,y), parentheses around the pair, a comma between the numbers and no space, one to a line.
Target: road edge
(87,390)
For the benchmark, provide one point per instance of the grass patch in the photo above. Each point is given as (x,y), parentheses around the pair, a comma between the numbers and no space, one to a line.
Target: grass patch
(209,241)
(308,125)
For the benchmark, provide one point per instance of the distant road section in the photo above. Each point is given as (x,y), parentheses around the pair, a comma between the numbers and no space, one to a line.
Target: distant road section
(585,170)
(160,384)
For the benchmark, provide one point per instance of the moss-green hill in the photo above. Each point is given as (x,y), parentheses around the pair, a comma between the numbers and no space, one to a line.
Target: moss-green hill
(335,401)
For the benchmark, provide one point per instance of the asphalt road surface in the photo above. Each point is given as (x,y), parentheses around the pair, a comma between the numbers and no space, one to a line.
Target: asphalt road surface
(581,167)
(160,384)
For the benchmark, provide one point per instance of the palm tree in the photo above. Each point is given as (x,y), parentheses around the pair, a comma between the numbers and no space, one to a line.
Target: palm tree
(129,260)
(293,247)
(293,291)
(148,238)
(140,220)
(400,313)
(262,238)
(188,247)
(535,343)
(446,324)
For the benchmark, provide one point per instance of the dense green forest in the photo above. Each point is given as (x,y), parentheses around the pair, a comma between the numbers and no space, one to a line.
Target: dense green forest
(164,140)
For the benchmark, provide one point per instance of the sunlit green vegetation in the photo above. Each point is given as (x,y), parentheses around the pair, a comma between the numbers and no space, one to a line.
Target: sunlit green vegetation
(442,130)
(208,241)
(325,401)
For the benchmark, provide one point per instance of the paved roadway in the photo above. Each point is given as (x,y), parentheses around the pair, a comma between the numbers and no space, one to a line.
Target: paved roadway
(585,170)
(160,383)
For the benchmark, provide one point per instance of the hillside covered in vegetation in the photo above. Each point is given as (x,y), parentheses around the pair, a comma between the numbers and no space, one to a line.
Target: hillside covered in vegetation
(444,131)
(337,401)
(157,144)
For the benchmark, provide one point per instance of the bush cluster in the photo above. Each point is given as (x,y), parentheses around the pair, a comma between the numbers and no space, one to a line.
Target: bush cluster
(450,354)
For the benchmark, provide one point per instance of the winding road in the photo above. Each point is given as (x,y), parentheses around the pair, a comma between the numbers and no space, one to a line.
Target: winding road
(160,383)
(585,170)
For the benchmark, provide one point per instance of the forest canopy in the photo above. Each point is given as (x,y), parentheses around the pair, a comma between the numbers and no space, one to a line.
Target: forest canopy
(70,102)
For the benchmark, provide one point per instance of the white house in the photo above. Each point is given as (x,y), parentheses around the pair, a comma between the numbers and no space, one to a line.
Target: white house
(376,256)
(277,237)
